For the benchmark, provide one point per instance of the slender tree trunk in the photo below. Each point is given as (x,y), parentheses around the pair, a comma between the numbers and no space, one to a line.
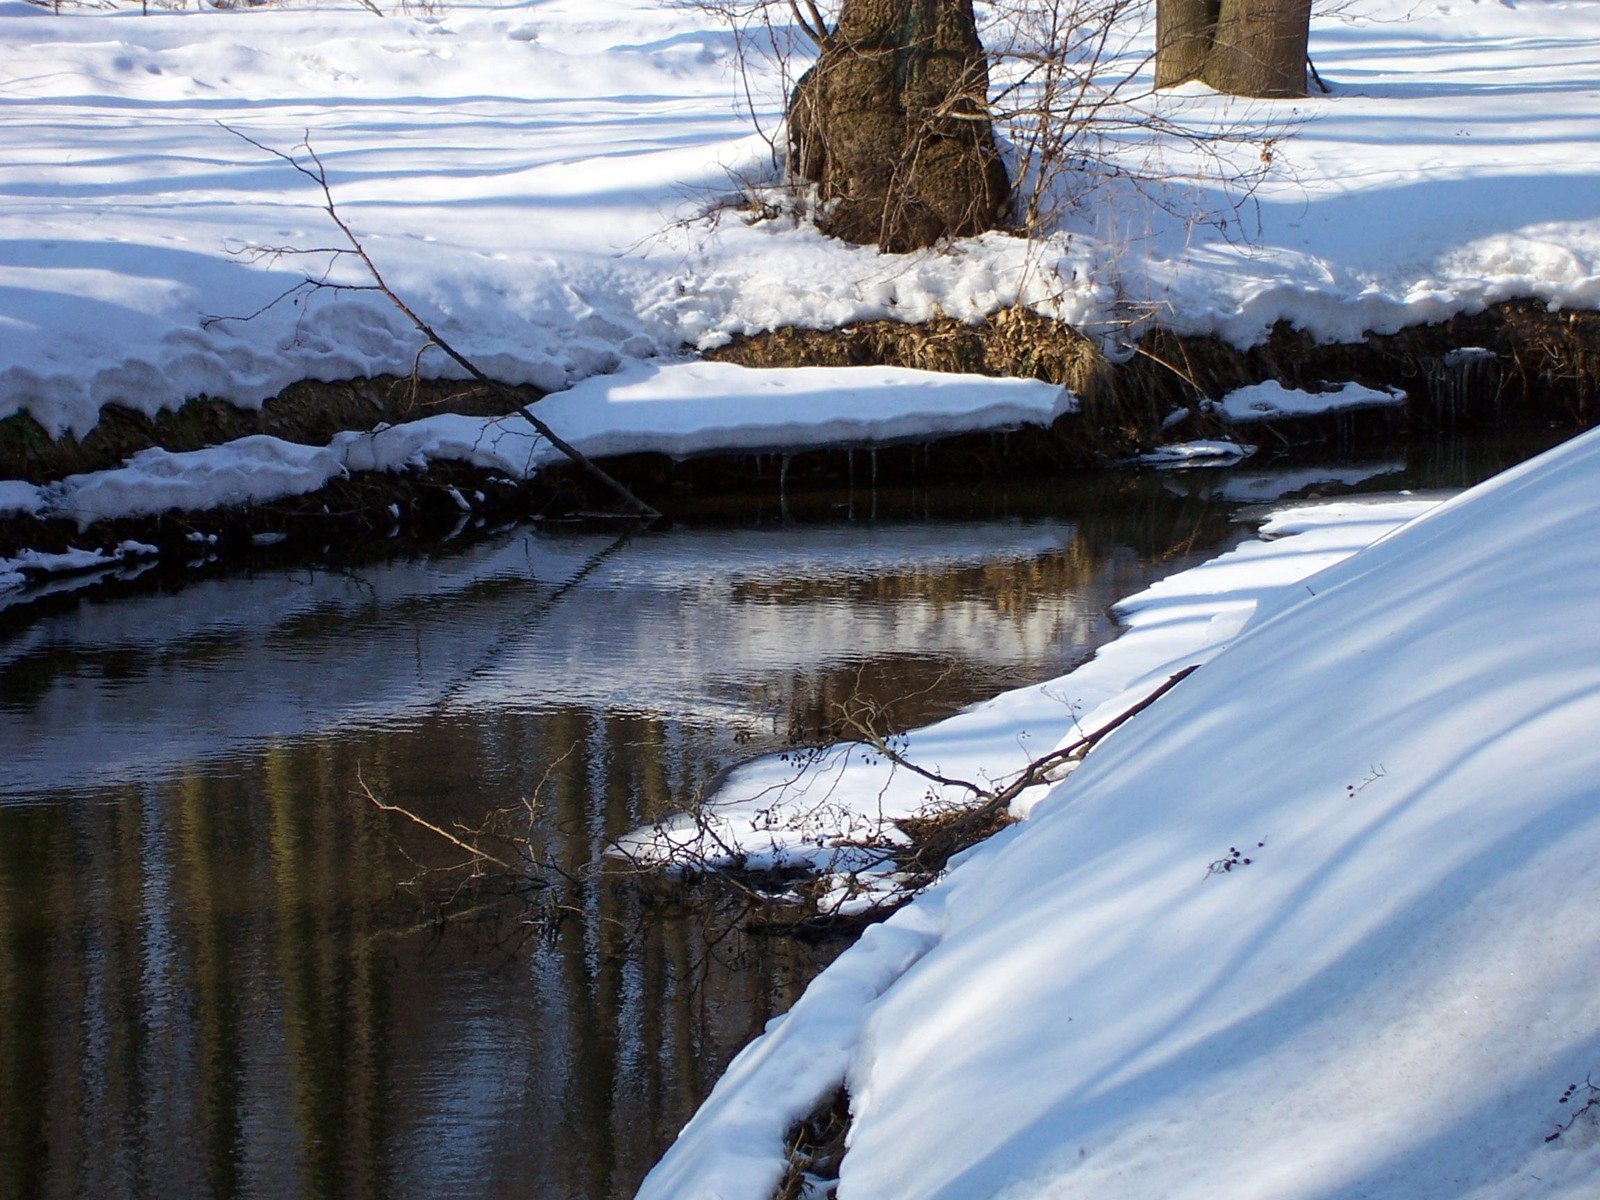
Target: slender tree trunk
(1243,47)
(892,125)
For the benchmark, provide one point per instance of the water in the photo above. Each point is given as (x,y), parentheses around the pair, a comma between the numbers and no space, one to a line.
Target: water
(224,972)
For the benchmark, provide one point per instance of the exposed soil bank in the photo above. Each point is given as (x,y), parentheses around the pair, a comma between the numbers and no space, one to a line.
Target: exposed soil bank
(1540,367)
(310,412)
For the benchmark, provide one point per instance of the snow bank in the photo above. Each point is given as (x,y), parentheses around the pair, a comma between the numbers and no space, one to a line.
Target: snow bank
(680,408)
(1388,998)
(683,408)
(531,176)
(677,407)
(249,470)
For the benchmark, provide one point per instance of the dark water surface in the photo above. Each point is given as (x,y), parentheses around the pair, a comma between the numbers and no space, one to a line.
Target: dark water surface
(214,979)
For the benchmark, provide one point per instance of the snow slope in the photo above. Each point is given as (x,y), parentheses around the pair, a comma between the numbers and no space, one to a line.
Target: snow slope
(1318,924)
(529,175)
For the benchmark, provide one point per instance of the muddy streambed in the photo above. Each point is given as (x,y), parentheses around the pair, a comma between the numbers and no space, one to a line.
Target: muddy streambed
(223,973)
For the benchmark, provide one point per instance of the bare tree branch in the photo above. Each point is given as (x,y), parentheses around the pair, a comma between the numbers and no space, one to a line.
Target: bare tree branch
(476,854)
(317,174)
(995,800)
(814,28)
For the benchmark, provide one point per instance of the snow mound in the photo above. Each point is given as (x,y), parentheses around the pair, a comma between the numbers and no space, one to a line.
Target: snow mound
(1318,924)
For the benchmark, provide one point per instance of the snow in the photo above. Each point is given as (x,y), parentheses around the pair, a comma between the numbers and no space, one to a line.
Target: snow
(681,408)
(248,470)
(532,177)
(19,497)
(1390,997)
(1270,399)
(1205,453)
(20,569)
(688,408)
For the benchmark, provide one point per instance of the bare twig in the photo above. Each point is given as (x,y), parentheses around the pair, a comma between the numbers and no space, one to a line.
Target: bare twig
(477,854)
(995,800)
(317,174)
(1591,1100)
(813,26)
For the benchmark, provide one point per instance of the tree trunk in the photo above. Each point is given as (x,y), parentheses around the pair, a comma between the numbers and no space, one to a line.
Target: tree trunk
(1259,48)
(892,125)
(1183,39)
(1243,47)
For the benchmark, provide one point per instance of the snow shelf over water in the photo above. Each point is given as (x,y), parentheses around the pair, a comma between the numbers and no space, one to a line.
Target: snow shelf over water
(679,408)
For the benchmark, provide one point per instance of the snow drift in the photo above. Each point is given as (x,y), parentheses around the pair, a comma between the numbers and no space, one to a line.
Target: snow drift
(1388,999)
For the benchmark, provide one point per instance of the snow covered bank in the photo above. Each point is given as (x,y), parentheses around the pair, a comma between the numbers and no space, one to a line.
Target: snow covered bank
(529,176)
(1390,998)
(675,408)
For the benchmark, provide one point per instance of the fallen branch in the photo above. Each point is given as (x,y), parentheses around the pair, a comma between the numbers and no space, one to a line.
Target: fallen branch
(934,834)
(951,835)
(319,176)
(476,854)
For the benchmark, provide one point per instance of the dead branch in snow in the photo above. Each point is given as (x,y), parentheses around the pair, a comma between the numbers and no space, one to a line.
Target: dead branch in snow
(945,837)
(873,871)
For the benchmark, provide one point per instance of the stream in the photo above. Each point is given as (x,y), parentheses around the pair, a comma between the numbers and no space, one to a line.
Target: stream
(225,972)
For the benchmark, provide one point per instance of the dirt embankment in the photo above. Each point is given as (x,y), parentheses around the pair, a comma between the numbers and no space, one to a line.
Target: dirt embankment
(309,412)
(1514,365)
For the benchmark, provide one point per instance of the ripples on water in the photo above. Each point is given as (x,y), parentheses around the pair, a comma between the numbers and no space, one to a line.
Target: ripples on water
(211,979)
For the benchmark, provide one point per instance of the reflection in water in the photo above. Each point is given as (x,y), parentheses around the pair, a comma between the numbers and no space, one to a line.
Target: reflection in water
(211,979)
(210,986)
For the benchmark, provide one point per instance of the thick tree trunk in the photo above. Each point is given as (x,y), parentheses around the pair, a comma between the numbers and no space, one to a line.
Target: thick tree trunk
(1259,48)
(892,124)
(1183,39)
(1243,47)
